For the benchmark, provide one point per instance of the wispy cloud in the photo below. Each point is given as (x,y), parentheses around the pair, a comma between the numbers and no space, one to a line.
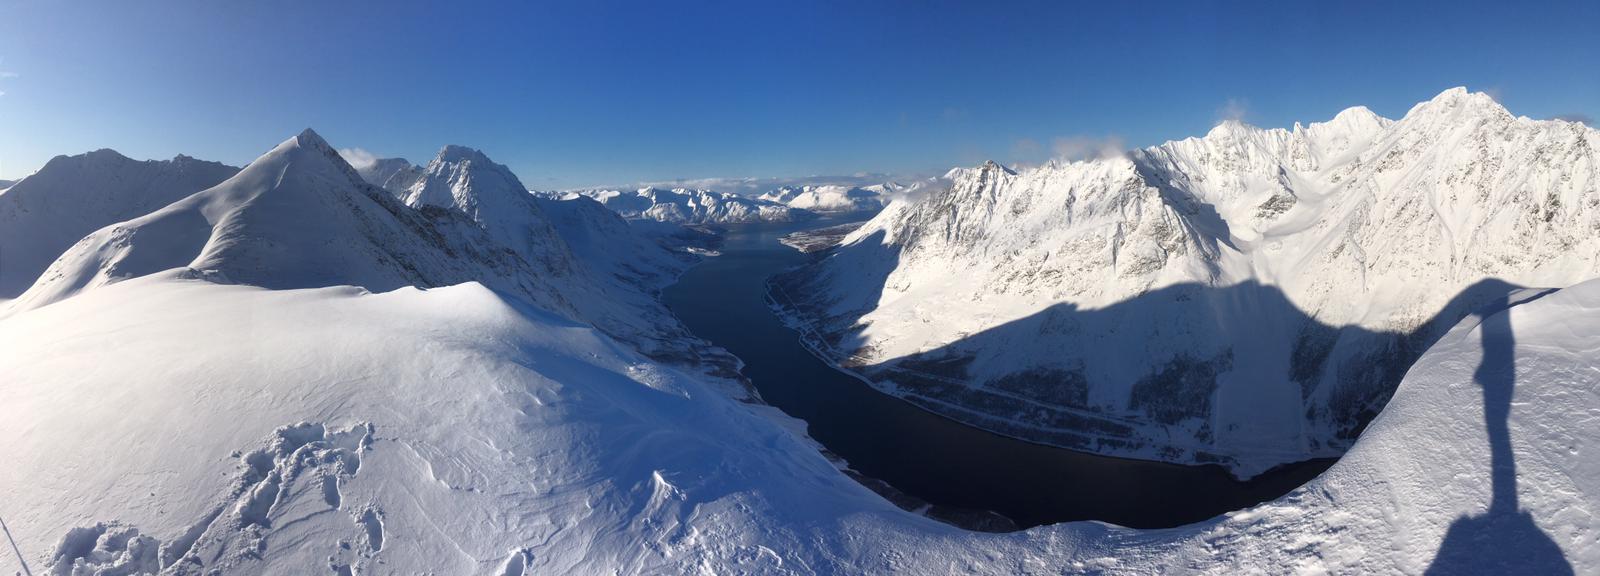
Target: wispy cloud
(1581,118)
(1025,149)
(6,74)
(357,157)
(1074,148)
(1234,109)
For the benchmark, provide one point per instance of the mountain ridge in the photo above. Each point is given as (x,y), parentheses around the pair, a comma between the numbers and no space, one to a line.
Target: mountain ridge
(1362,221)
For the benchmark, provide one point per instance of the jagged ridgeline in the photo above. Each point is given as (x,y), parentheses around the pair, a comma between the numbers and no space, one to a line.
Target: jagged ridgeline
(1250,297)
(300,216)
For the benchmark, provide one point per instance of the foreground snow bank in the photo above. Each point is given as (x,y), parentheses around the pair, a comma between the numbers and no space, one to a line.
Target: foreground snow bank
(172,422)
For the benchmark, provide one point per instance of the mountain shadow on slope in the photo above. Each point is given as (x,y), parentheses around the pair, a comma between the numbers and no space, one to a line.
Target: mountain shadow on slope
(1244,376)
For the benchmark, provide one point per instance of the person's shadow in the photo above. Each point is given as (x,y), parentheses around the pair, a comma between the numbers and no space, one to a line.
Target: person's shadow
(1503,540)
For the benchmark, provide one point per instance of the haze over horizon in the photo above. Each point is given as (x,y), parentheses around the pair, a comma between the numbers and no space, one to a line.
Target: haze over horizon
(654,93)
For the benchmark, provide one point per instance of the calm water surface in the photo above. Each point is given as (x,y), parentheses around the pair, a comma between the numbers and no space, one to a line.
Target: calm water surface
(929,456)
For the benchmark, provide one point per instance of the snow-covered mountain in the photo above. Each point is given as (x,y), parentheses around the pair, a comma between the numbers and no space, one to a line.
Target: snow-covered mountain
(695,206)
(1250,297)
(838,199)
(297,217)
(71,196)
(6,184)
(167,423)
(389,173)
(601,267)
(831,199)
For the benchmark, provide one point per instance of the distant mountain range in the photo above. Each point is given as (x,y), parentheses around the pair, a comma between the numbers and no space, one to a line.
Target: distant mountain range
(305,366)
(1250,297)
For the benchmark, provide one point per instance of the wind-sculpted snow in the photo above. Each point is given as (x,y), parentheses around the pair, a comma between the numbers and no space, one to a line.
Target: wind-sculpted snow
(456,431)
(286,490)
(44,214)
(1364,225)
(696,206)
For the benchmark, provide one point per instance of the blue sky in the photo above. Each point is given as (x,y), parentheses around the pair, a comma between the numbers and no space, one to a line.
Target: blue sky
(582,93)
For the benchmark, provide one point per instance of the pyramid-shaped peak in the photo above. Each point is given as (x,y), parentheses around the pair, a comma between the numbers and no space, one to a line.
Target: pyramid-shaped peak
(458,153)
(456,161)
(309,137)
(306,152)
(991,165)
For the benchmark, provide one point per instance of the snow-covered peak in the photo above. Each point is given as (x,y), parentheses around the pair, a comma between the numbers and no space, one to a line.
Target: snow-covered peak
(1355,119)
(833,198)
(1459,101)
(1231,129)
(992,166)
(465,179)
(689,206)
(308,145)
(298,216)
(458,153)
(309,156)
(1366,231)
(71,196)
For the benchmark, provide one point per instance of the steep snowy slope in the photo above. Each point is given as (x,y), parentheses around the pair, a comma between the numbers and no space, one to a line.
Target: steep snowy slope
(297,217)
(464,181)
(695,206)
(592,260)
(168,422)
(1250,297)
(43,214)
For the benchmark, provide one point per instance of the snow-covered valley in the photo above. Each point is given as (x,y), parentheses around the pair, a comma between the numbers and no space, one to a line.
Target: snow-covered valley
(307,366)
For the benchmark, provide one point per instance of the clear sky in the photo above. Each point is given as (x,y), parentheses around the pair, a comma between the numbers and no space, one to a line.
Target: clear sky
(581,93)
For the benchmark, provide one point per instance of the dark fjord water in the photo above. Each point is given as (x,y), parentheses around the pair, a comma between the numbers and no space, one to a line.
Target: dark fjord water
(932,458)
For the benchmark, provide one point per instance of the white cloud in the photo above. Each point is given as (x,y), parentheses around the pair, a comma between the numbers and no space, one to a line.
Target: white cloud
(1234,109)
(1073,148)
(357,157)
(1575,117)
